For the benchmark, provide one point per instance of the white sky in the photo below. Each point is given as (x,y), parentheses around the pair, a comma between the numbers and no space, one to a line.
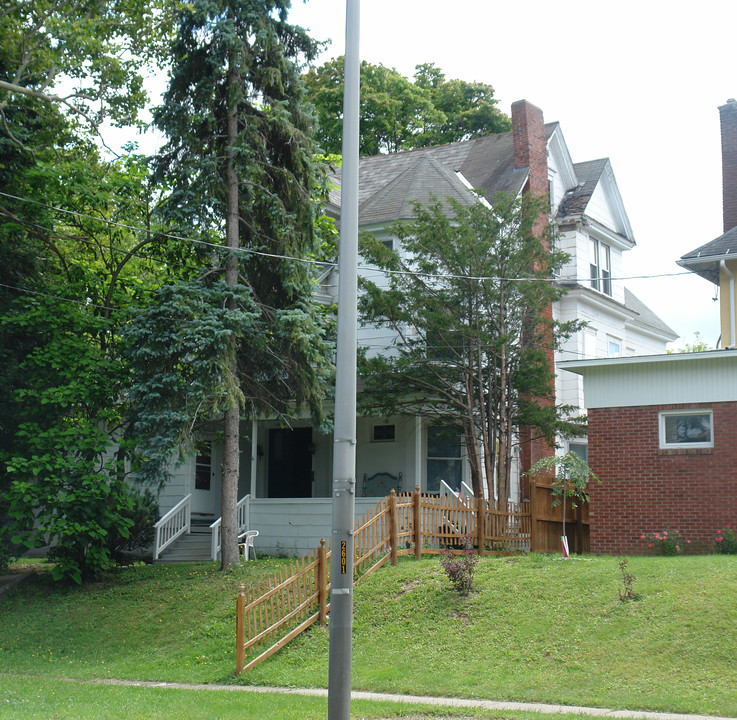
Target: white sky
(636,81)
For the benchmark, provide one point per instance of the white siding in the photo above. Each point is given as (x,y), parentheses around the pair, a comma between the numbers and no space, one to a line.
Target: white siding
(668,379)
(295,527)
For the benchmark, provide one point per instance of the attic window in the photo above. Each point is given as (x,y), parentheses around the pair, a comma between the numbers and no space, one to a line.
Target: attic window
(388,244)
(686,429)
(600,266)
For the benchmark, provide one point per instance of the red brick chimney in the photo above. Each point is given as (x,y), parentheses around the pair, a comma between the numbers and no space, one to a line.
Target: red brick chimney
(530,145)
(728,118)
(531,151)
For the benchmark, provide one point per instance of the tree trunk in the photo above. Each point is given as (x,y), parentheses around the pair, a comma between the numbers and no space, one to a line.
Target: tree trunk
(231,445)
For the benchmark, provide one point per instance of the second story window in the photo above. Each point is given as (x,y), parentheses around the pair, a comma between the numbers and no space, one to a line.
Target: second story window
(600,266)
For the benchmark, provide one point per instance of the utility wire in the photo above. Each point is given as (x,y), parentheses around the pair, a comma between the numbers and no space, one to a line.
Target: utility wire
(325,264)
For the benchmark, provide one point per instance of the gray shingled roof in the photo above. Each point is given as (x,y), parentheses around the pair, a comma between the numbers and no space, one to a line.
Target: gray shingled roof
(704,260)
(387,188)
(575,200)
(645,316)
(426,178)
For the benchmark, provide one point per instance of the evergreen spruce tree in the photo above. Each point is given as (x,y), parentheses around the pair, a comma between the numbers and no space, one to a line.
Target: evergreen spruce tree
(239,162)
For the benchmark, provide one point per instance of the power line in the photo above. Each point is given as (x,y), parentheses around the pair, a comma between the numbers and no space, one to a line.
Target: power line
(325,264)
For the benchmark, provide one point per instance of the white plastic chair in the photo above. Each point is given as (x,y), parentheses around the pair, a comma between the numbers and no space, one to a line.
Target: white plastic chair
(245,541)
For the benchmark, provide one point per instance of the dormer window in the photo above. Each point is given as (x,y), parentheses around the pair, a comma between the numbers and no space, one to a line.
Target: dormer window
(600,266)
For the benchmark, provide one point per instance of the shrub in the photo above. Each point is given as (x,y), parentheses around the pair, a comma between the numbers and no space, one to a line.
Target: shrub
(460,568)
(667,542)
(628,583)
(726,541)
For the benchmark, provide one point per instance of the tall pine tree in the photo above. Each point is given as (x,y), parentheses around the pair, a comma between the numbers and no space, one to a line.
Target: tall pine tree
(239,162)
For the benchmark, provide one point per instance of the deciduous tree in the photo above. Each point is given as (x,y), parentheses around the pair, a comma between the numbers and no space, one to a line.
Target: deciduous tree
(401,114)
(461,293)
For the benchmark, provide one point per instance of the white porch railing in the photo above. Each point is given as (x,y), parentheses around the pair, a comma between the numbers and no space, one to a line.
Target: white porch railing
(244,511)
(465,493)
(175,523)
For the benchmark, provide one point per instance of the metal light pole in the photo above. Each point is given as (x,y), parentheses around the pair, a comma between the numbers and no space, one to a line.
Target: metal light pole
(344,449)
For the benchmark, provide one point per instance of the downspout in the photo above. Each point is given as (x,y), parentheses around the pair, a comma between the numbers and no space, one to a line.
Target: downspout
(732,327)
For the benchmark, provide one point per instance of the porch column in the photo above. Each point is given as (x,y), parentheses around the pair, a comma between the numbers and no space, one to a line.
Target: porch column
(254,455)
(418,451)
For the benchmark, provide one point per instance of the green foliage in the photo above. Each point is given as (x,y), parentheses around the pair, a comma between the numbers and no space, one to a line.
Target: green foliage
(666,542)
(699,345)
(143,512)
(627,592)
(63,400)
(66,486)
(468,307)
(179,352)
(573,479)
(399,114)
(85,57)
(726,541)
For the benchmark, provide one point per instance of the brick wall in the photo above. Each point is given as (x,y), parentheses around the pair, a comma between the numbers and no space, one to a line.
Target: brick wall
(645,489)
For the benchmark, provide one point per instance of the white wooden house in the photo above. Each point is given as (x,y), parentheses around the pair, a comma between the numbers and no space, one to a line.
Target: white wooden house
(286,472)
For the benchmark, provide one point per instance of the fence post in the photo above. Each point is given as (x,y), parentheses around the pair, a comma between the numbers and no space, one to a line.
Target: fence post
(393,523)
(240,630)
(533,514)
(417,521)
(322,580)
(480,523)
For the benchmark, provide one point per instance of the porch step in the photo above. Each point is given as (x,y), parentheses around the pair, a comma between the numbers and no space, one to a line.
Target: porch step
(194,547)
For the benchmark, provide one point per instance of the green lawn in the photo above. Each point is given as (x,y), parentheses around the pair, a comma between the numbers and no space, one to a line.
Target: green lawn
(536,629)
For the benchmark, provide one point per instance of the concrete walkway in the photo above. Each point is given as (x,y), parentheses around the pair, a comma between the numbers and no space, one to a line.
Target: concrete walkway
(423,700)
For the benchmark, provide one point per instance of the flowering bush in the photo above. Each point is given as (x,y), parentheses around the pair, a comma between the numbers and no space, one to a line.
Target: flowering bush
(668,542)
(726,541)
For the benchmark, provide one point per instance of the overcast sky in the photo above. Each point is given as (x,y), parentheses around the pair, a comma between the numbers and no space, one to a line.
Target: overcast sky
(638,82)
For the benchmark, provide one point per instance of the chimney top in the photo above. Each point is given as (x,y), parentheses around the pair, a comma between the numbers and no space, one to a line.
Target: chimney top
(728,121)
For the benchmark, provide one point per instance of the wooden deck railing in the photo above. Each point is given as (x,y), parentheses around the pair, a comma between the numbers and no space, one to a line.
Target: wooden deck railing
(278,610)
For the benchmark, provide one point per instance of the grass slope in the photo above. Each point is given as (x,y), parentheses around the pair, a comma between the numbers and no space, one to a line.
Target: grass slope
(536,629)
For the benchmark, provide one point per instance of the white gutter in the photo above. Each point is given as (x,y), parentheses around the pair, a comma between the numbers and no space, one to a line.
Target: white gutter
(732,327)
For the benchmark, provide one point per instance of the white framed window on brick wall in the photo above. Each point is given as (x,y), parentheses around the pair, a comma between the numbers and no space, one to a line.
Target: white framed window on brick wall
(686,428)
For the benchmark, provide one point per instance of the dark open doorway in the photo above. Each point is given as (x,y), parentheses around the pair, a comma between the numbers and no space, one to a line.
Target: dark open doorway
(290,463)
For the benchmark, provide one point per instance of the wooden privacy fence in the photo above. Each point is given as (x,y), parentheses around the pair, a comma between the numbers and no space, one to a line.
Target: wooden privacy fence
(546,523)
(278,610)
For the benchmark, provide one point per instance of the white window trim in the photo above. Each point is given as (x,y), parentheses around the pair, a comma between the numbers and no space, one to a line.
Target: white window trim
(687,445)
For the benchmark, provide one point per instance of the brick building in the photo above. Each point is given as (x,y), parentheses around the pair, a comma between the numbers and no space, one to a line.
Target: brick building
(662,441)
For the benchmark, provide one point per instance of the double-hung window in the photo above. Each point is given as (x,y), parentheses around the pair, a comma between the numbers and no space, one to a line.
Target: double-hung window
(444,460)
(600,266)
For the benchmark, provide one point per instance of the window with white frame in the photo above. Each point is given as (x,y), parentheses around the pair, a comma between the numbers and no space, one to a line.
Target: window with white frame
(686,429)
(614,346)
(444,458)
(580,448)
(600,266)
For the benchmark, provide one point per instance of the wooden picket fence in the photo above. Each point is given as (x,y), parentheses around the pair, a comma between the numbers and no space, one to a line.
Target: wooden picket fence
(277,611)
